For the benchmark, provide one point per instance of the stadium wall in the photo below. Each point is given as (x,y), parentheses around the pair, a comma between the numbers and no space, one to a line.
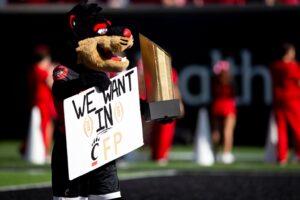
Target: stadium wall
(196,37)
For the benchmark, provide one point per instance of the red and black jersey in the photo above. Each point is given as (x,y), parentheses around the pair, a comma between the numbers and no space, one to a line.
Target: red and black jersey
(286,81)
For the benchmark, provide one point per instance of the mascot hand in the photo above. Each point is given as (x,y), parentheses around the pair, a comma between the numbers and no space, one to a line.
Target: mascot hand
(98,79)
(165,120)
(143,106)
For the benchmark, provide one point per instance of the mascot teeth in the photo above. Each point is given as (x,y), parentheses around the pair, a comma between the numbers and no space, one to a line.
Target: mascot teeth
(102,31)
(119,59)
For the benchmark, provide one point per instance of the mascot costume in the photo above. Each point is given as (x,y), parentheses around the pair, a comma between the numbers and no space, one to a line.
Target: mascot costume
(94,43)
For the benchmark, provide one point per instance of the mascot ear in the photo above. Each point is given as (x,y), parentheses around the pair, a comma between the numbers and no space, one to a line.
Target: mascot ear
(84,9)
(83,2)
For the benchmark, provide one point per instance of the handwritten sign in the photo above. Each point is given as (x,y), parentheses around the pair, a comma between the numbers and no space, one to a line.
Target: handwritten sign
(103,126)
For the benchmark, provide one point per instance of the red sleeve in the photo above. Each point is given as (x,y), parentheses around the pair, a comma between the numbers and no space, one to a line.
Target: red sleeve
(281,71)
(174,76)
(41,74)
(294,72)
(285,81)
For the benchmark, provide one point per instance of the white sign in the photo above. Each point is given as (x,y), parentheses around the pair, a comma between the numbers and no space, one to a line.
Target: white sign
(103,126)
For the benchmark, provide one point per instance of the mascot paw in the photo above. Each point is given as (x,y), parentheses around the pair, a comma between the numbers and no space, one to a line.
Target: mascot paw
(98,79)
(165,120)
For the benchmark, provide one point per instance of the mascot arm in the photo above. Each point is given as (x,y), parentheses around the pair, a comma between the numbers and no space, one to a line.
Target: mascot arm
(97,79)
(63,89)
(65,84)
(68,83)
(143,106)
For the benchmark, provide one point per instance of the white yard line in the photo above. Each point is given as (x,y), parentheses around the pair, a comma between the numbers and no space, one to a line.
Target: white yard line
(148,174)
(128,176)
(238,156)
(25,187)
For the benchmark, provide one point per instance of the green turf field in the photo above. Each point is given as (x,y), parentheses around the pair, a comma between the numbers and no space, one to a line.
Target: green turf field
(15,171)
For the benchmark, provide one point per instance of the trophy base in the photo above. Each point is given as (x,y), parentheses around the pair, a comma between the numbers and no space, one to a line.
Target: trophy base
(162,109)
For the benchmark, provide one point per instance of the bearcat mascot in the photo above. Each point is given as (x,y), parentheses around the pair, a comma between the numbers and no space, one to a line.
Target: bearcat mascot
(91,54)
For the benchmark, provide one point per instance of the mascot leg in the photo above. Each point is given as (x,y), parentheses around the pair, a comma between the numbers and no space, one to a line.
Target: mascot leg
(115,195)
(104,183)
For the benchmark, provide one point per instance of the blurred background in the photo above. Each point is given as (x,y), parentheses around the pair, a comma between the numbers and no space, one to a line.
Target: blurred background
(197,34)
(247,34)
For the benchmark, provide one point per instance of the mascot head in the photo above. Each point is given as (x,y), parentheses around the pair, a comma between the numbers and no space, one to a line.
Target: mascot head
(98,43)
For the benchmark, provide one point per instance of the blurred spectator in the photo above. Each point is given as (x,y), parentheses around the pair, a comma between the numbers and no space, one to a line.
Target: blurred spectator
(281,2)
(39,85)
(160,135)
(175,3)
(168,3)
(149,2)
(54,1)
(219,2)
(285,74)
(223,111)
(117,3)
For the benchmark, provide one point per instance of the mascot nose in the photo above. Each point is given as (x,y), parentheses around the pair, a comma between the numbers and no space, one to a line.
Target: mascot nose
(126,33)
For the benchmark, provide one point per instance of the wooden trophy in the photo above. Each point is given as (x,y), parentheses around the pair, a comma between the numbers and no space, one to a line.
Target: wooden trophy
(157,71)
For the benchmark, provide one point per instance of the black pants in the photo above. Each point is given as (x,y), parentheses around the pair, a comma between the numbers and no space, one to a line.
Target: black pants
(101,181)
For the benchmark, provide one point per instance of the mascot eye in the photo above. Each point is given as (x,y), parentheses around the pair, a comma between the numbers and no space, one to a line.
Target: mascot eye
(72,21)
(101,29)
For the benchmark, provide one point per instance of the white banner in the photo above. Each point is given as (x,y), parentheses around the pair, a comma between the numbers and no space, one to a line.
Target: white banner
(103,126)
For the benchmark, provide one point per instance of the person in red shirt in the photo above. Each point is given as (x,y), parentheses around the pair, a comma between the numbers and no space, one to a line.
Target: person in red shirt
(223,110)
(40,82)
(285,74)
(162,134)
(219,2)
(282,2)
(159,136)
